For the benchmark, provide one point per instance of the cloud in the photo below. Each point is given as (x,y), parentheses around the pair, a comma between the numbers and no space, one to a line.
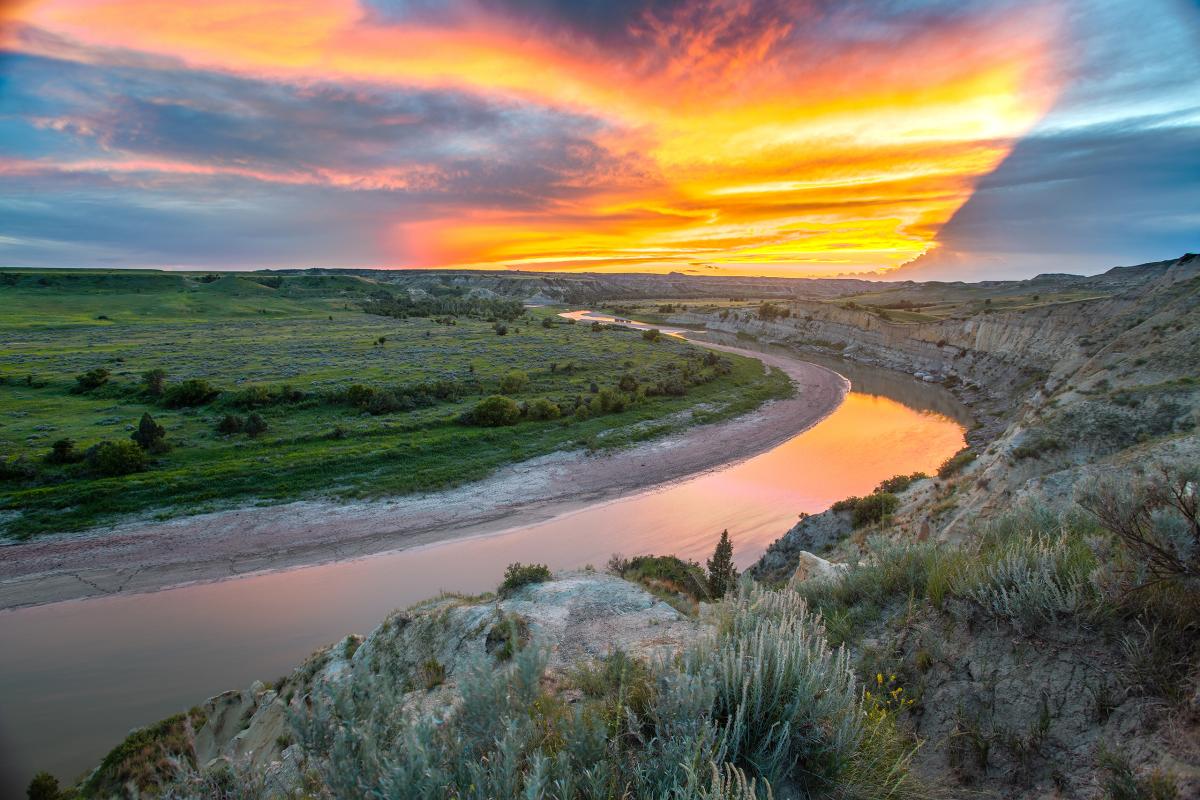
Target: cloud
(1078,201)
(750,135)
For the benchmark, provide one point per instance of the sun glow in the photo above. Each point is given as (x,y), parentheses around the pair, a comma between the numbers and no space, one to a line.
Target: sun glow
(743,144)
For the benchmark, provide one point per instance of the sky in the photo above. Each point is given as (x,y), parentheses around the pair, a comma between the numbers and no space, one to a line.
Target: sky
(931,139)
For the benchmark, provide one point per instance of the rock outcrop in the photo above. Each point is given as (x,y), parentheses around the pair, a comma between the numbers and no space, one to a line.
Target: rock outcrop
(578,617)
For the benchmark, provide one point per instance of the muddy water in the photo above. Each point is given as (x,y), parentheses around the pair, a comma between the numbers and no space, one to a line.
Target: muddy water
(76,676)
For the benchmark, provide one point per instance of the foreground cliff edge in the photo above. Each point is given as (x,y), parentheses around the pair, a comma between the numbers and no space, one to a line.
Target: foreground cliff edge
(1024,624)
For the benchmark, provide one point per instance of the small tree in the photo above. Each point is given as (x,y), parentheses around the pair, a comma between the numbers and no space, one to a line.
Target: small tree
(495,411)
(92,379)
(255,425)
(62,452)
(500,328)
(149,435)
(230,423)
(44,786)
(722,575)
(652,335)
(153,381)
(513,382)
(115,458)
(192,392)
(543,409)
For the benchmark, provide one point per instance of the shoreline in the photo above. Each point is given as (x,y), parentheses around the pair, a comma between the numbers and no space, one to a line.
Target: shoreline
(146,556)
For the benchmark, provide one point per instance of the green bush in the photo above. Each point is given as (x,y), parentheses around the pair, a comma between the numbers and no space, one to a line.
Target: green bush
(44,786)
(874,508)
(63,452)
(150,436)
(611,401)
(507,637)
(652,335)
(496,411)
(1036,446)
(359,395)
(189,393)
(255,425)
(663,575)
(92,379)
(1034,579)
(153,381)
(17,468)
(956,463)
(110,459)
(513,382)
(543,409)
(230,424)
(899,483)
(252,397)
(518,575)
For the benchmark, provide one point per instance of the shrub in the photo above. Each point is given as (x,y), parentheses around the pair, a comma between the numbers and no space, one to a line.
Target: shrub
(955,464)
(153,381)
(1034,579)
(1157,517)
(255,425)
(770,312)
(17,468)
(611,401)
(874,508)
(513,382)
(722,575)
(495,411)
(547,322)
(111,459)
(517,575)
(500,328)
(63,452)
(92,379)
(1124,783)
(787,705)
(899,483)
(508,635)
(765,698)
(230,424)
(431,673)
(385,401)
(627,383)
(252,397)
(359,395)
(150,436)
(189,393)
(665,576)
(44,786)
(652,335)
(543,409)
(1036,446)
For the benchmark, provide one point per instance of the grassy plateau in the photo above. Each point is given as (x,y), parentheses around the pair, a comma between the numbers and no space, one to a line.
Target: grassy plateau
(275,388)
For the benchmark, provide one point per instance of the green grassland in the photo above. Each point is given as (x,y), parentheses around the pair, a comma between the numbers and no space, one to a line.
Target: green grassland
(310,333)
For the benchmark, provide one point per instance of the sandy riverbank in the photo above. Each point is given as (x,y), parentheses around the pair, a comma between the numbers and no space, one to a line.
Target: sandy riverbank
(150,555)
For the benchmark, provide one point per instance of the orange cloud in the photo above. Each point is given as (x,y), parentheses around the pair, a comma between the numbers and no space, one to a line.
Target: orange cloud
(762,148)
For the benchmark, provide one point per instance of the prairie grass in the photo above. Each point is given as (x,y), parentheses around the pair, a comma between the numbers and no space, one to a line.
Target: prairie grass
(293,352)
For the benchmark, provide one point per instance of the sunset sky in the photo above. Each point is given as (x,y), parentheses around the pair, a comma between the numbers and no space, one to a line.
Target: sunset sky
(973,138)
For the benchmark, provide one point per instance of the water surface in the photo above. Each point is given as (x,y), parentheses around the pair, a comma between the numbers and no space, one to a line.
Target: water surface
(77,676)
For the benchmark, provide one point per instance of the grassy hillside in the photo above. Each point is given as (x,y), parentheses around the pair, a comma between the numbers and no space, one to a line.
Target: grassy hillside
(290,350)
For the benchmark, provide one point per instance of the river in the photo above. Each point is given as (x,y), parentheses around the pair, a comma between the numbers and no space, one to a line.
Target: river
(76,676)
